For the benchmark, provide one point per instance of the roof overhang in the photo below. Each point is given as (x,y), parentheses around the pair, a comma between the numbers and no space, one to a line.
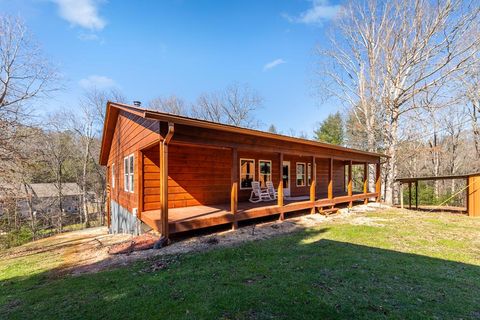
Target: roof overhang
(113,109)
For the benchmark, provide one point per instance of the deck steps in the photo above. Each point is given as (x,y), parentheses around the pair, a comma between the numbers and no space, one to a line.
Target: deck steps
(328,211)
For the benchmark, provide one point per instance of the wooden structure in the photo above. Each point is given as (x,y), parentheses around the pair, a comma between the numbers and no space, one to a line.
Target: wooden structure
(176,174)
(471,190)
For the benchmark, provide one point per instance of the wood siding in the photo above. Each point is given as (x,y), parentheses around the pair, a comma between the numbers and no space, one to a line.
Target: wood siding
(244,194)
(198,176)
(131,133)
(200,164)
(202,176)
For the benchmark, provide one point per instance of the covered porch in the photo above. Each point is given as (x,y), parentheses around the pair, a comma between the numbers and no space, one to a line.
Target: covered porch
(203,216)
(187,184)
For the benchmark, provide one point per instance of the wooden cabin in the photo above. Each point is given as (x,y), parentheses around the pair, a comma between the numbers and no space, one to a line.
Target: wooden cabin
(173,174)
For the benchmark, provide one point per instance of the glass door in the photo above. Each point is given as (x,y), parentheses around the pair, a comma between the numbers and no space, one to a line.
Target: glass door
(286,178)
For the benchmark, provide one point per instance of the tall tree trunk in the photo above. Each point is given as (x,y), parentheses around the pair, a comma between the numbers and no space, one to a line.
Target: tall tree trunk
(475,129)
(60,200)
(31,212)
(435,161)
(372,147)
(391,151)
(86,157)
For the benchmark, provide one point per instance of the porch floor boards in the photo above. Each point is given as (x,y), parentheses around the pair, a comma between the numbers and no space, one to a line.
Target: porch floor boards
(196,217)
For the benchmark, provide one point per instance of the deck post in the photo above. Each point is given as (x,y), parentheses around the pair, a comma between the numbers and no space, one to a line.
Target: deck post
(234,193)
(410,195)
(140,183)
(349,188)
(163,148)
(313,184)
(163,201)
(365,182)
(378,182)
(107,205)
(330,180)
(280,187)
(401,195)
(473,196)
(416,194)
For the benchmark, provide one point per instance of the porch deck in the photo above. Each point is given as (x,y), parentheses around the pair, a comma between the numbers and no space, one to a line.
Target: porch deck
(197,217)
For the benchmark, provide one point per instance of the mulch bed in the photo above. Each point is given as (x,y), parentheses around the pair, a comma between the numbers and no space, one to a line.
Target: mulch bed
(142,242)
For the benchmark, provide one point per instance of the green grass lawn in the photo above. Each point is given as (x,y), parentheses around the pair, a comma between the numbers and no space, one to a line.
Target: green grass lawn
(403,266)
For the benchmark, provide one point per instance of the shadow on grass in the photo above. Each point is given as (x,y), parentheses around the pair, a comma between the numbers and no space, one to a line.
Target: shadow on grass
(290,277)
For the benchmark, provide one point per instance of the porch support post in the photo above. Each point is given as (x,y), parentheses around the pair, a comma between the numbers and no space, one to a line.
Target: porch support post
(140,183)
(163,199)
(330,180)
(378,182)
(234,193)
(349,188)
(280,186)
(163,147)
(416,194)
(401,195)
(410,195)
(365,182)
(313,184)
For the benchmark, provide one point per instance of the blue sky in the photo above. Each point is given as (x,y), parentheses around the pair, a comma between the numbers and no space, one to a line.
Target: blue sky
(158,48)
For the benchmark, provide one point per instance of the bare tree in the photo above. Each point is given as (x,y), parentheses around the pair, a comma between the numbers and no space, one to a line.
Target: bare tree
(172,104)
(470,92)
(58,151)
(25,74)
(407,48)
(88,125)
(236,105)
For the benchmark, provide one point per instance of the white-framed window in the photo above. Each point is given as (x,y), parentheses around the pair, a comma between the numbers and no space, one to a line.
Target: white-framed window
(309,173)
(128,173)
(264,172)
(247,173)
(113,175)
(300,174)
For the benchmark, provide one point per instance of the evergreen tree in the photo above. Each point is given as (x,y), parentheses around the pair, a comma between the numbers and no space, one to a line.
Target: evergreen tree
(331,130)
(272,129)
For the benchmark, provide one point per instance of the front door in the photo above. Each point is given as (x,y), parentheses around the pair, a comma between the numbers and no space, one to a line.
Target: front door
(286,178)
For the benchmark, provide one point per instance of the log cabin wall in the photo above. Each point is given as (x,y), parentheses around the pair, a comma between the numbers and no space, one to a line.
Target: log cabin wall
(195,135)
(322,177)
(339,186)
(198,176)
(133,133)
(151,178)
(202,176)
(244,194)
(130,134)
(295,190)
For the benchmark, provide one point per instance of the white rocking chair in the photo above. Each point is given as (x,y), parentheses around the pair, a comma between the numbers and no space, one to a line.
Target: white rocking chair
(258,194)
(271,190)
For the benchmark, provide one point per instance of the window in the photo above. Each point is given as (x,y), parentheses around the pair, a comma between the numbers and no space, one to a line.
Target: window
(128,173)
(309,174)
(265,172)
(300,174)
(113,175)
(247,173)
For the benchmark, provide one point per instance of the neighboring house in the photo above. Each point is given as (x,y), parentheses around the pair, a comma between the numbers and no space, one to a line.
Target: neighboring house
(44,197)
(173,173)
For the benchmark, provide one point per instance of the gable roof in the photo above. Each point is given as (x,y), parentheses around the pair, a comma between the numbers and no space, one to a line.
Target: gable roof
(40,190)
(113,109)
